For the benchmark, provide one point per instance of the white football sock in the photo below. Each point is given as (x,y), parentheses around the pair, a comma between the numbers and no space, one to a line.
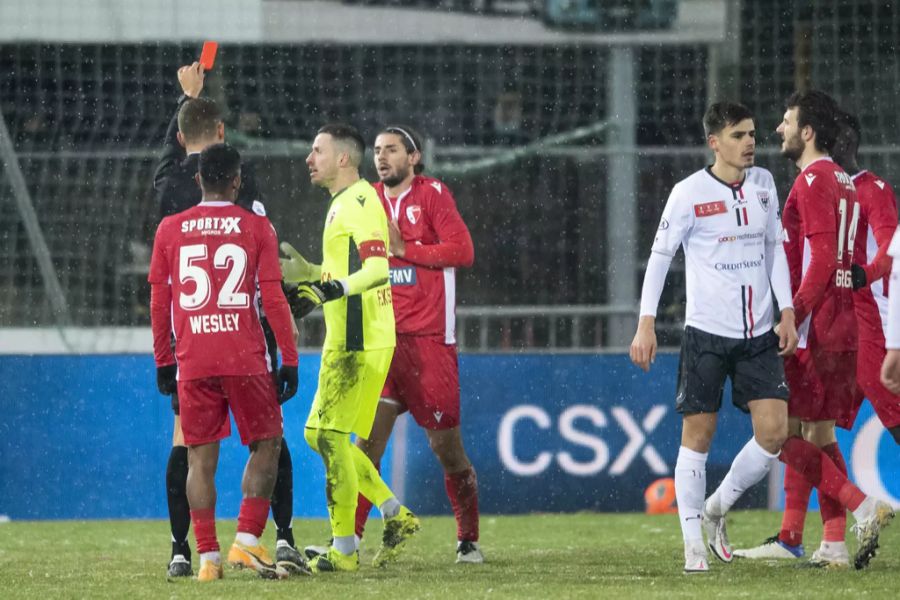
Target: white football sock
(345,544)
(390,508)
(750,466)
(247,539)
(213,557)
(690,489)
(865,510)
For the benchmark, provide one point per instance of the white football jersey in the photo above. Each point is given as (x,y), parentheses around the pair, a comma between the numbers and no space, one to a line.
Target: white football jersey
(877,286)
(892,330)
(724,228)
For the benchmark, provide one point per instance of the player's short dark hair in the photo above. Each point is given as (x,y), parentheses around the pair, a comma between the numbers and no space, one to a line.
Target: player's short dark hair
(412,141)
(199,119)
(846,144)
(817,110)
(349,136)
(849,123)
(219,165)
(724,114)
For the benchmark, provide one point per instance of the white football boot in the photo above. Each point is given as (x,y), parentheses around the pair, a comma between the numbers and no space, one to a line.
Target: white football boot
(695,558)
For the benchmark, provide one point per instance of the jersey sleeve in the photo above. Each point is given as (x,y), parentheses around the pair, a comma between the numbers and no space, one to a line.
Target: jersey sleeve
(677,220)
(776,259)
(161,299)
(159,262)
(367,226)
(822,264)
(173,152)
(269,268)
(455,248)
(883,221)
(654,281)
(892,334)
(249,196)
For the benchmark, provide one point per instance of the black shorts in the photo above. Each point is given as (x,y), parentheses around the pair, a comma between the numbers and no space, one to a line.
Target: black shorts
(755,369)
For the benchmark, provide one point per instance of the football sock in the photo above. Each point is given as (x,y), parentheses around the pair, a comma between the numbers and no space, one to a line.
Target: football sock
(176,495)
(821,472)
(283,496)
(389,508)
(213,557)
(690,489)
(865,509)
(204,520)
(462,490)
(371,485)
(363,508)
(834,516)
(749,467)
(345,544)
(247,539)
(252,516)
(796,500)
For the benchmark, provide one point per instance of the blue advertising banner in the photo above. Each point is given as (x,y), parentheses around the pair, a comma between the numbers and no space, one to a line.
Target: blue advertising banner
(89,436)
(567,433)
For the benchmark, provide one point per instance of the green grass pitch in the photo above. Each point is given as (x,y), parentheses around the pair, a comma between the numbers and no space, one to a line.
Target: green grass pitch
(535,556)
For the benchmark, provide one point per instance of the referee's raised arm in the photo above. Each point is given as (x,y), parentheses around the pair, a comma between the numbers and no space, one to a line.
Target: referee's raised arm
(191,78)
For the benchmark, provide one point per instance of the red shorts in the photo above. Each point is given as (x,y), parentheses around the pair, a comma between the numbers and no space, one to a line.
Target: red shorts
(822,383)
(205,403)
(868,378)
(424,379)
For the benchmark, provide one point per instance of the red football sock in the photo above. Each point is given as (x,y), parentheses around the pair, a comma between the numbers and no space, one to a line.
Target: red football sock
(363,508)
(252,516)
(821,472)
(834,517)
(796,500)
(462,490)
(204,520)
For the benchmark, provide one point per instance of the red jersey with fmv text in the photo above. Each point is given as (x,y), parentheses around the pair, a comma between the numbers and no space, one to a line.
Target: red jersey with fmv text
(820,218)
(214,255)
(437,242)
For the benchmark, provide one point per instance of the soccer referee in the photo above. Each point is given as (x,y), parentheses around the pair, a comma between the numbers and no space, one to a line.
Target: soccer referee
(352,283)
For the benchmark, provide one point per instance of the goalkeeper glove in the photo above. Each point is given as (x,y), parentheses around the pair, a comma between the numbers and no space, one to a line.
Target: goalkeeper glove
(165,379)
(295,268)
(857,276)
(312,295)
(287,383)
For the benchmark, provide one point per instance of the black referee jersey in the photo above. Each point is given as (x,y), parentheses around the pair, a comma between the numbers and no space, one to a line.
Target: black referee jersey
(176,188)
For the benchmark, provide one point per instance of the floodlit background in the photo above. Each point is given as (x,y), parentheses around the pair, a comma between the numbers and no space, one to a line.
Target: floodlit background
(560,126)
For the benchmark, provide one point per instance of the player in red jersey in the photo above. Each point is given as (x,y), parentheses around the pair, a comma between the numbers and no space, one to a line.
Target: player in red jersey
(877,223)
(208,262)
(820,219)
(196,124)
(429,241)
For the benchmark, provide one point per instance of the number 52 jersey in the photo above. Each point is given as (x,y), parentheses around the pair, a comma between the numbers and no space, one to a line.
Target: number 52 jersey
(214,255)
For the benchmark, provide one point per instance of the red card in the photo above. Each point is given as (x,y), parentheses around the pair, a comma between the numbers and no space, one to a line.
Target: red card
(208,55)
(709,209)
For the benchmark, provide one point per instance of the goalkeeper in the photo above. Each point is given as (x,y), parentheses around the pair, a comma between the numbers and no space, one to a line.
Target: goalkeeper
(352,283)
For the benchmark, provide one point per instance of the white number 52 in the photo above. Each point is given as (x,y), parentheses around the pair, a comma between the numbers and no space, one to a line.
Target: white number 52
(228,256)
